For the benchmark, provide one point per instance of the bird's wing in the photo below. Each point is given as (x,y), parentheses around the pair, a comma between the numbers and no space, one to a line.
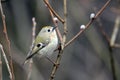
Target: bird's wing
(34,51)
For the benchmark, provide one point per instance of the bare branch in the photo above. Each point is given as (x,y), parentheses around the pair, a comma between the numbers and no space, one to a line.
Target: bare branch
(6,61)
(48,5)
(111,43)
(33,38)
(88,25)
(56,24)
(115,31)
(55,67)
(8,41)
(102,31)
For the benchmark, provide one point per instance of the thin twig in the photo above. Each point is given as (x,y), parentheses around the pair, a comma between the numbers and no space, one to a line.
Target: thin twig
(115,31)
(8,41)
(101,29)
(112,44)
(6,61)
(55,67)
(55,23)
(112,63)
(88,25)
(69,42)
(116,45)
(114,34)
(65,25)
(52,10)
(33,38)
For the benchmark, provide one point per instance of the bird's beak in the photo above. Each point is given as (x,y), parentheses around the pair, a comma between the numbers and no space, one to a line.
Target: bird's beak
(54,28)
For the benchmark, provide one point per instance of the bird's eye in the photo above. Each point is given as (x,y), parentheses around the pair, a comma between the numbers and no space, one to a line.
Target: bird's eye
(38,45)
(48,30)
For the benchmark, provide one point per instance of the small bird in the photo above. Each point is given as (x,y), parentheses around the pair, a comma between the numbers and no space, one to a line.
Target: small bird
(45,43)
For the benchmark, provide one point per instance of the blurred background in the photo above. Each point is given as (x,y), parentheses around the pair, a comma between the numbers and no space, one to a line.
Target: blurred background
(87,58)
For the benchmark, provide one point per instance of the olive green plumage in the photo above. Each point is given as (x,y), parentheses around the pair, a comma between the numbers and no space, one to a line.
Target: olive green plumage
(45,43)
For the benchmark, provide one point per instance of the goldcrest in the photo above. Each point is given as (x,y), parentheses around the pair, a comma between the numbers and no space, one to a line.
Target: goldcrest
(45,43)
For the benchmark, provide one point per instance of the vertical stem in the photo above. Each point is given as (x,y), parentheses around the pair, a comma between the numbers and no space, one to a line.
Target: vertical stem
(6,61)
(112,63)
(64,24)
(53,16)
(56,24)
(33,39)
(51,9)
(111,44)
(8,41)
(115,31)
(55,67)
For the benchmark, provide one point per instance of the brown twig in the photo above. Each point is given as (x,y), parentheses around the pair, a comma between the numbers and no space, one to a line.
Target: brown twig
(6,61)
(110,48)
(112,44)
(55,23)
(33,38)
(55,67)
(114,34)
(65,25)
(76,36)
(52,10)
(8,41)
(88,25)
(102,31)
